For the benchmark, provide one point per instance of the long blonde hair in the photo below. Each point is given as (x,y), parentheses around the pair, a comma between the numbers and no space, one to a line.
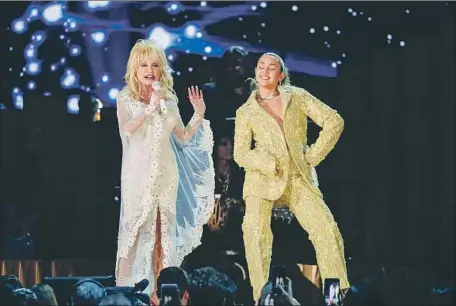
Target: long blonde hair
(284,84)
(148,48)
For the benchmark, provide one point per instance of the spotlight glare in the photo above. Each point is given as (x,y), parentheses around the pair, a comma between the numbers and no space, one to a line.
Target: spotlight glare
(294,8)
(191,31)
(53,13)
(161,36)
(112,93)
(19,26)
(73,104)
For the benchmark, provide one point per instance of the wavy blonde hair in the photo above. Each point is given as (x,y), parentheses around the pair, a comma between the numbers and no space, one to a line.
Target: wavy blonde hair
(284,84)
(148,48)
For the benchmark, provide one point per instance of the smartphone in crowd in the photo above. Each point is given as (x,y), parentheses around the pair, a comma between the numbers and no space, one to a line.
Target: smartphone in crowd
(332,292)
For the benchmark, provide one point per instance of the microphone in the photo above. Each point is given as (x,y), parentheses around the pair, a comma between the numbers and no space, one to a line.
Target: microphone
(139,287)
(156,87)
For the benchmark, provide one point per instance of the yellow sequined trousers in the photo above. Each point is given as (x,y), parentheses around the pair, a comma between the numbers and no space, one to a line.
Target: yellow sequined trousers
(313,215)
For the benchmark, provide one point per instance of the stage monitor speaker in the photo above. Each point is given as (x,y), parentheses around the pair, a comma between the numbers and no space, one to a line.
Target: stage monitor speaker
(64,286)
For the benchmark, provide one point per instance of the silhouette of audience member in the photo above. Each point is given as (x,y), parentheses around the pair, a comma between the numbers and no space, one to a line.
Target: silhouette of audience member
(210,287)
(88,292)
(45,295)
(174,275)
(115,300)
(24,297)
(230,89)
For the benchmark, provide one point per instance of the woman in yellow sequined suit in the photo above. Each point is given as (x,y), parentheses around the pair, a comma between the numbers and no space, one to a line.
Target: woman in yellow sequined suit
(280,166)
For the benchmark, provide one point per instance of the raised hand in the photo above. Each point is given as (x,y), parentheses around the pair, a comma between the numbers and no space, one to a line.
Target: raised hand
(195,96)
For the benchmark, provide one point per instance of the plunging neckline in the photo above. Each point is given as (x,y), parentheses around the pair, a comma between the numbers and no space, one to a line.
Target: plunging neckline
(277,118)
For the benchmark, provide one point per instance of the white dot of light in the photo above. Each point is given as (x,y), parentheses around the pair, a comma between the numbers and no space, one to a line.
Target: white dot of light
(174,6)
(333,64)
(33,68)
(294,8)
(53,12)
(389,42)
(39,36)
(112,93)
(312,30)
(178,73)
(11,48)
(208,49)
(161,36)
(62,60)
(339,62)
(73,24)
(73,104)
(93,5)
(105,78)
(18,101)
(69,78)
(354,14)
(31,85)
(260,41)
(62,37)
(19,26)
(204,58)
(254,7)
(190,69)
(244,36)
(53,67)
(199,34)
(75,50)
(361,13)
(203,3)
(338,32)
(240,19)
(263,4)
(350,10)
(191,31)
(187,51)
(98,37)
(170,57)
(21,74)
(11,69)
(407,11)
(263,24)
(402,43)
(343,55)
(325,28)
(34,12)
(30,51)
(259,33)
(369,18)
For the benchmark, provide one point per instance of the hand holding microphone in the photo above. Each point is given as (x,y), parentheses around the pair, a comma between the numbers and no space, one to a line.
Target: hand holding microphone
(158,97)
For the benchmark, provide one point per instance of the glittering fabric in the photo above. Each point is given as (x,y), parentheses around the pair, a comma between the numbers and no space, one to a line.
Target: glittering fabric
(286,148)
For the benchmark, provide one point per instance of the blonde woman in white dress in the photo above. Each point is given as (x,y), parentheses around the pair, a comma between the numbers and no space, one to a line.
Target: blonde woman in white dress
(167,180)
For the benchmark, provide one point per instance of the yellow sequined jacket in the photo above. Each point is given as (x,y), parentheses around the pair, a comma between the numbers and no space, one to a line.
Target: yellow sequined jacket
(272,147)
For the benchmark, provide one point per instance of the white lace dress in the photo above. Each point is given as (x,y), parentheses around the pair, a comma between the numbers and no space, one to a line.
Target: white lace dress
(166,167)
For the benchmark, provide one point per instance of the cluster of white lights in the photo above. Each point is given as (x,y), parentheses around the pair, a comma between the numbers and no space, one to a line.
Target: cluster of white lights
(389,39)
(54,14)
